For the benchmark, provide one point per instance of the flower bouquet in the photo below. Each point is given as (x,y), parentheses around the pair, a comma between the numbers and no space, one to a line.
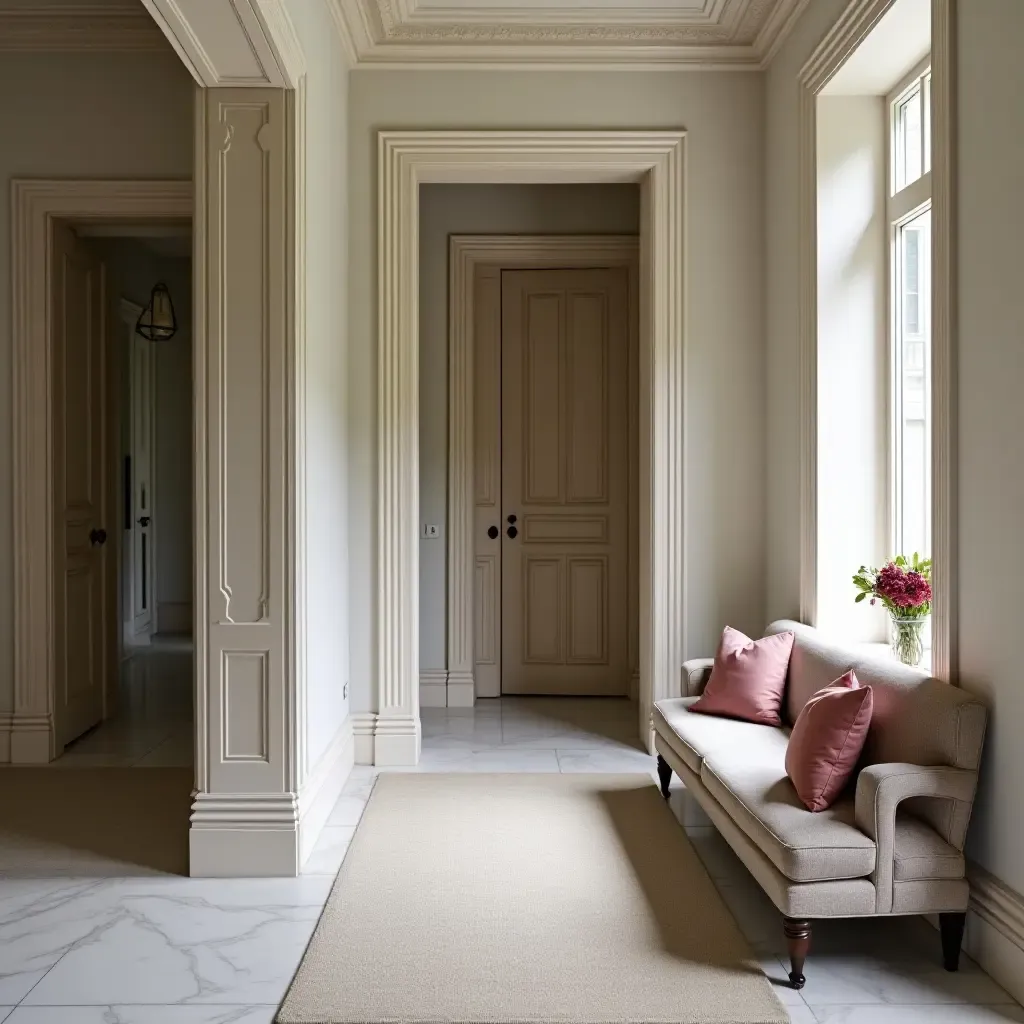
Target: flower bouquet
(904,587)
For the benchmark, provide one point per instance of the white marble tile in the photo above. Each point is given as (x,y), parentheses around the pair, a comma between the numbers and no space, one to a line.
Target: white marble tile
(347,811)
(779,979)
(801,1014)
(40,920)
(143,1014)
(605,759)
(330,849)
(502,760)
(925,1014)
(189,941)
(717,857)
(360,782)
(4,1012)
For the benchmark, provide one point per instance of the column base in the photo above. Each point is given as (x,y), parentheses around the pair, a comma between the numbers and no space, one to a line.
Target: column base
(243,835)
(32,739)
(461,690)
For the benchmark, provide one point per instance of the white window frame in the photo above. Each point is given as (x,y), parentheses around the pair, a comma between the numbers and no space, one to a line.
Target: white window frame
(902,207)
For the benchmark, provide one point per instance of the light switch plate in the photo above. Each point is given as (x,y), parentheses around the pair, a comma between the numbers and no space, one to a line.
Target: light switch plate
(431,532)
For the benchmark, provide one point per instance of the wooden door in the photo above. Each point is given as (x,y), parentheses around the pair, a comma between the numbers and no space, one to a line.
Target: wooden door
(143,447)
(81,547)
(564,482)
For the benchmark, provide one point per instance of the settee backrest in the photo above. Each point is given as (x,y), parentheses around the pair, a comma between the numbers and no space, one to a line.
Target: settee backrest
(916,718)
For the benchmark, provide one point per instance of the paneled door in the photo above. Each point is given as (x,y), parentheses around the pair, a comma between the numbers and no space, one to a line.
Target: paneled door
(564,482)
(80,506)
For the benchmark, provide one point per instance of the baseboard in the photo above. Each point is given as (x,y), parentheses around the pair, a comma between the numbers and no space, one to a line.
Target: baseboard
(995,930)
(31,739)
(362,735)
(243,835)
(434,688)
(174,616)
(321,790)
(461,690)
(5,737)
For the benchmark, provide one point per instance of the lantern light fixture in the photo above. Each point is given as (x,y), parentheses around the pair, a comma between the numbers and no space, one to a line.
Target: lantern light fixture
(157,321)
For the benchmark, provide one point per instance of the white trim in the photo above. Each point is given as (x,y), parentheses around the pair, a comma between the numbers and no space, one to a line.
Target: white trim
(645,43)
(79,28)
(406,159)
(859,18)
(362,731)
(467,253)
(35,205)
(995,929)
(257,830)
(433,688)
(323,786)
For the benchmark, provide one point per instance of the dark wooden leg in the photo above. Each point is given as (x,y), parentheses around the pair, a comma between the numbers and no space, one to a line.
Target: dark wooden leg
(798,939)
(664,775)
(951,928)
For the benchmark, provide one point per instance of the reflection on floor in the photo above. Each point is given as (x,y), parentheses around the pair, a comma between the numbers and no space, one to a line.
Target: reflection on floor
(153,724)
(166,950)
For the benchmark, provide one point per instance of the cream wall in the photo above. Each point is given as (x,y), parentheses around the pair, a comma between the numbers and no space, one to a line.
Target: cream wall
(852,349)
(990,170)
(324,379)
(724,114)
(480,209)
(66,116)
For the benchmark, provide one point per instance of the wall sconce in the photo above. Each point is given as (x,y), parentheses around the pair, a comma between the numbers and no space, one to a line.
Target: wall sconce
(157,321)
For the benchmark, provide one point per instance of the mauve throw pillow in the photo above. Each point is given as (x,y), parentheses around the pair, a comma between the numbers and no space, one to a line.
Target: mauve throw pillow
(748,678)
(827,739)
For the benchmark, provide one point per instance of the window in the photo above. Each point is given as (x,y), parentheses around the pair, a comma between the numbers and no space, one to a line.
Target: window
(909,216)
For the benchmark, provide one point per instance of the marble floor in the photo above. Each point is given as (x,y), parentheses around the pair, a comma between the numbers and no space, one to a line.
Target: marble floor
(81,949)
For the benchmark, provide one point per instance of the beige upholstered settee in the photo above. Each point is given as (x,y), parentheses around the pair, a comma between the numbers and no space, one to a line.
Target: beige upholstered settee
(893,842)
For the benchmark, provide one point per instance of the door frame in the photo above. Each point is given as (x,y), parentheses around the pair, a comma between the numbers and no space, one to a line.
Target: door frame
(468,255)
(36,205)
(656,159)
(129,316)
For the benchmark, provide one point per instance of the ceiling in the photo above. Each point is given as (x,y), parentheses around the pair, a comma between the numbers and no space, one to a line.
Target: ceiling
(545,33)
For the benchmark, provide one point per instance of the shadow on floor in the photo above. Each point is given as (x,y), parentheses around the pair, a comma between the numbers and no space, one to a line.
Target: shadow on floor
(94,821)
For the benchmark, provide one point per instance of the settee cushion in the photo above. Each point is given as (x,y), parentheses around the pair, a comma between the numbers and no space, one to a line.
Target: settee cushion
(921,853)
(693,737)
(749,780)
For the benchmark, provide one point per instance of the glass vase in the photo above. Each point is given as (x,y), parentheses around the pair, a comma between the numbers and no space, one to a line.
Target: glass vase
(907,641)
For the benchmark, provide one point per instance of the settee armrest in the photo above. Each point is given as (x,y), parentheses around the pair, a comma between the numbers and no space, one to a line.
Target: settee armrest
(881,788)
(695,675)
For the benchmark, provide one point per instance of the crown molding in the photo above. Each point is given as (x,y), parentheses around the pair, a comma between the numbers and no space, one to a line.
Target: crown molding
(88,28)
(399,35)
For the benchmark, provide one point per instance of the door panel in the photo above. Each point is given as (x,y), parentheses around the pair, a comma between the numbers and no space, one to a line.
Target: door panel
(564,473)
(80,551)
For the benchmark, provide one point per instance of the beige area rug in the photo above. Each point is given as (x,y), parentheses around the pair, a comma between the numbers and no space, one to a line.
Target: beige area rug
(525,898)
(94,821)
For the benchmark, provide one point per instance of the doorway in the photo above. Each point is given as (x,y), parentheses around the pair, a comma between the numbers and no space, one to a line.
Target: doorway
(552,541)
(138,711)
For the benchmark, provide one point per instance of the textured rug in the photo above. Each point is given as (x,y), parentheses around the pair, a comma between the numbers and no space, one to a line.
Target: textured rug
(525,898)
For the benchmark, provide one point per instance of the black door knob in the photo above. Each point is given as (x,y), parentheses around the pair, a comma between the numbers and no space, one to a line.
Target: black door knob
(513,532)
(144,521)
(512,519)
(492,532)
(97,537)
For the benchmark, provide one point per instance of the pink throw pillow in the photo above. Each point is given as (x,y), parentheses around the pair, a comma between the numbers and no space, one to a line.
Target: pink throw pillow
(748,678)
(827,739)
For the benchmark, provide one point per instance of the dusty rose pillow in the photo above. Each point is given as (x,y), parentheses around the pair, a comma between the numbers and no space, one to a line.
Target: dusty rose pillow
(827,739)
(748,678)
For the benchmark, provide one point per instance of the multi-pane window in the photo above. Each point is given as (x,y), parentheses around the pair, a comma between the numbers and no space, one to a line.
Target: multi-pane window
(909,209)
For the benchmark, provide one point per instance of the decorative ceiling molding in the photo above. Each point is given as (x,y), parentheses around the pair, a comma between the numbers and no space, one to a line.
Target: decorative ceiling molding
(79,28)
(718,35)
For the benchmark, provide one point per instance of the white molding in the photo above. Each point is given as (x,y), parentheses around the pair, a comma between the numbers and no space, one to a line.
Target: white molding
(404,37)
(468,253)
(945,507)
(859,18)
(433,688)
(244,834)
(406,159)
(79,28)
(260,36)
(363,725)
(995,928)
(35,205)
(323,786)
